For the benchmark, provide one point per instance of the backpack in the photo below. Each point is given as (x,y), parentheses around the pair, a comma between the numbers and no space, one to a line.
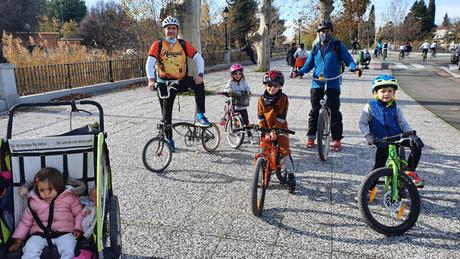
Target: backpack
(336,49)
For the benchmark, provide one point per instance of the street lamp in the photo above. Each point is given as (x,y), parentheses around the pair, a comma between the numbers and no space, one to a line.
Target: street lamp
(298,22)
(225,13)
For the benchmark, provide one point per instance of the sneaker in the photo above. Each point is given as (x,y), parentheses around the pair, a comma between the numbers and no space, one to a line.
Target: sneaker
(416,179)
(336,145)
(202,122)
(292,182)
(171,144)
(310,142)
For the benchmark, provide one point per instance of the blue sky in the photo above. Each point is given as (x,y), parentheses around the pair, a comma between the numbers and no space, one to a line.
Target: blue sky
(291,12)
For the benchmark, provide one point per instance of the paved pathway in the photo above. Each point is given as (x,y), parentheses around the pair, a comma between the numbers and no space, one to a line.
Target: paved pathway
(200,206)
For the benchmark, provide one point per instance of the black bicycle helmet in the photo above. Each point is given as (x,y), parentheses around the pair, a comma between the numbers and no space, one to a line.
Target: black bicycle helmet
(325,25)
(274,76)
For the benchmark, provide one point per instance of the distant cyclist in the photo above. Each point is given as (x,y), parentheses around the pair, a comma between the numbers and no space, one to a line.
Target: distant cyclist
(425,47)
(434,47)
(167,60)
(385,50)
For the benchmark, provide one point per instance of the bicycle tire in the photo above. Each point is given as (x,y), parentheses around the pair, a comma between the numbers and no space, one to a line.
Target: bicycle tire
(365,197)
(207,135)
(235,122)
(323,134)
(258,187)
(161,150)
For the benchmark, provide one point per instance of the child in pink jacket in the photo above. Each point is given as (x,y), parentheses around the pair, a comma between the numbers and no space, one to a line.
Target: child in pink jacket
(49,189)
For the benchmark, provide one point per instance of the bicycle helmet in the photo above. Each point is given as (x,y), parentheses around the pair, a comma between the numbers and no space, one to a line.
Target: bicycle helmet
(169,21)
(384,81)
(236,67)
(274,76)
(325,25)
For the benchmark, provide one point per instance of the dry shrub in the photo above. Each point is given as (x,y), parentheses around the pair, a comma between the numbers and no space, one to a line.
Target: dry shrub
(15,51)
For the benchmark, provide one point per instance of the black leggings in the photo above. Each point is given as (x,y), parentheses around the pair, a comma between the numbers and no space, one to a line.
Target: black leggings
(381,156)
(184,85)
(333,102)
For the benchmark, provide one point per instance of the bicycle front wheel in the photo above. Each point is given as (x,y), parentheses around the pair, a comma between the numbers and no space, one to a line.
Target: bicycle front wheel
(210,138)
(157,154)
(235,139)
(323,134)
(382,213)
(258,188)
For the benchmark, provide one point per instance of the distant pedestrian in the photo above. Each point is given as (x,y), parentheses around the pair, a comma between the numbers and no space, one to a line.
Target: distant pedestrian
(355,46)
(250,52)
(300,56)
(290,59)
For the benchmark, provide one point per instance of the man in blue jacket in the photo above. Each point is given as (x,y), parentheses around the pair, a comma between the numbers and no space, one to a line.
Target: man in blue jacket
(326,58)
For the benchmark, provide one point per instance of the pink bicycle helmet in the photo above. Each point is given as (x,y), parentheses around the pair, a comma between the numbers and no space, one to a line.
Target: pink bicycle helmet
(236,67)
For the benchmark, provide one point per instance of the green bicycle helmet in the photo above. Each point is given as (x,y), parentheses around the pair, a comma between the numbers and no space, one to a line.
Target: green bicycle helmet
(384,81)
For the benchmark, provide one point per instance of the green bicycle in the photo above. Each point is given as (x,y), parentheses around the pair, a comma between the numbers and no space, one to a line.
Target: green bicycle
(388,199)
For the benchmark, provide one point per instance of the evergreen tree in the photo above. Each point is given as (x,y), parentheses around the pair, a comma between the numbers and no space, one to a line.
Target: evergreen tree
(446,21)
(71,9)
(432,13)
(242,19)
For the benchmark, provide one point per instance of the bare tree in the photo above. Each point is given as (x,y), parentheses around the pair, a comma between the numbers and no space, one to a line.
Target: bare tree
(395,11)
(262,36)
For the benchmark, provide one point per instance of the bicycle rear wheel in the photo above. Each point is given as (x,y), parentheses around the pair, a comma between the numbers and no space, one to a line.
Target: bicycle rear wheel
(234,139)
(380,212)
(323,134)
(258,188)
(210,138)
(157,154)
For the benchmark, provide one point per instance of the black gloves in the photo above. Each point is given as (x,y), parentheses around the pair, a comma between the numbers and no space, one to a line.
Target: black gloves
(415,140)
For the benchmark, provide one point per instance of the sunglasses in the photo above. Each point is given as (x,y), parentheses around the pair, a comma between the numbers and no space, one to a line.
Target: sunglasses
(273,85)
(237,73)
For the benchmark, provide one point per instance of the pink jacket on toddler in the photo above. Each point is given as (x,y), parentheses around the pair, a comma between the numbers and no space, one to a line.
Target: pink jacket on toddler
(67,215)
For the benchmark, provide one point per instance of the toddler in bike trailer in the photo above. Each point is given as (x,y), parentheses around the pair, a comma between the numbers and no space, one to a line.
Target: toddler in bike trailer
(381,117)
(53,217)
(272,109)
(237,85)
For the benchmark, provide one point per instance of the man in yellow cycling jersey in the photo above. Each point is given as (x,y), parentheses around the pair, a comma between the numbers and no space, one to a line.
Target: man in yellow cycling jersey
(167,60)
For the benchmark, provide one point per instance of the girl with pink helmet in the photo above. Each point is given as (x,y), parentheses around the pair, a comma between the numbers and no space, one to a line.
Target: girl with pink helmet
(237,85)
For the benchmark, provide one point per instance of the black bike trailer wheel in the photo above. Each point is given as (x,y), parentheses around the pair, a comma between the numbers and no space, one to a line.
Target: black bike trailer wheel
(258,188)
(380,211)
(323,134)
(157,154)
(210,138)
(234,139)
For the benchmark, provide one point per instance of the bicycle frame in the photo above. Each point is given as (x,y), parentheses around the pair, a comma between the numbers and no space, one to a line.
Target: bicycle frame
(394,162)
(271,155)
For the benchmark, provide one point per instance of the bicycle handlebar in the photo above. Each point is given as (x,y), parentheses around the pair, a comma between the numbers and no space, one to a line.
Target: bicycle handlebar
(169,85)
(265,130)
(395,138)
(325,79)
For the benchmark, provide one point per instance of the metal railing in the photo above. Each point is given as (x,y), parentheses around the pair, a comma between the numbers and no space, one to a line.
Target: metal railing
(45,78)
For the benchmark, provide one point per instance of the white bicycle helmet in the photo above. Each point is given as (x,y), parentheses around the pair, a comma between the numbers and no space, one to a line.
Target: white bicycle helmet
(170,21)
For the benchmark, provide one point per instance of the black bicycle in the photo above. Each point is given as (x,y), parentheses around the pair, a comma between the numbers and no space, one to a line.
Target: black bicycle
(157,153)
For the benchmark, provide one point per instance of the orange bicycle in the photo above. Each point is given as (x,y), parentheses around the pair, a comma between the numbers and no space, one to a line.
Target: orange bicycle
(267,161)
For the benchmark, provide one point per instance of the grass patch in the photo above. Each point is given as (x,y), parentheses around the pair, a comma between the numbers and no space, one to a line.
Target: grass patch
(71,97)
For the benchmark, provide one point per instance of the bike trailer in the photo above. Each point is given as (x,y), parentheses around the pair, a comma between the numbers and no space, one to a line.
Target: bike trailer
(80,154)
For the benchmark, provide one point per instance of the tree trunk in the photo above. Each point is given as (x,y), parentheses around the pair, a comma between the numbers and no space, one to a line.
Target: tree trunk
(188,15)
(325,9)
(263,38)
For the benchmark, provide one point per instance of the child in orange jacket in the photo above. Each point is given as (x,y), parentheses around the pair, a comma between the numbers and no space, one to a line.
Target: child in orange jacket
(272,109)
